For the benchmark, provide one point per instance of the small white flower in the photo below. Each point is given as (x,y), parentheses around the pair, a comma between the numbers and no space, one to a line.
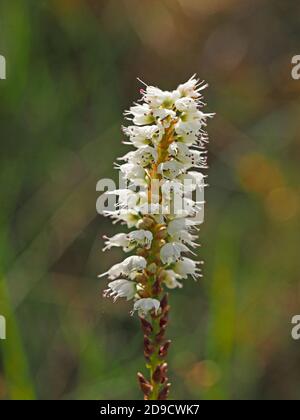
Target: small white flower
(119,240)
(187,137)
(191,88)
(186,104)
(197,159)
(156,97)
(129,217)
(176,225)
(144,156)
(181,153)
(188,126)
(193,180)
(143,136)
(133,172)
(141,238)
(187,267)
(170,187)
(146,305)
(171,279)
(171,169)
(171,252)
(183,236)
(129,241)
(142,114)
(129,267)
(121,289)
(128,199)
(190,208)
(164,115)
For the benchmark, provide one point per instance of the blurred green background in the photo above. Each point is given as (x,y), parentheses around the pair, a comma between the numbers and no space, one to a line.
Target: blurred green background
(71,71)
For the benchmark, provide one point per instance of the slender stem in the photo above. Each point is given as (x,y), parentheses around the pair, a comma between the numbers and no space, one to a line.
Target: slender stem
(155,345)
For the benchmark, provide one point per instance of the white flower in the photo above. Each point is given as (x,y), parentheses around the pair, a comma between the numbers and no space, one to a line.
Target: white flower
(188,125)
(156,97)
(170,187)
(190,208)
(186,104)
(146,305)
(171,279)
(191,88)
(129,241)
(141,238)
(135,173)
(129,217)
(193,180)
(183,236)
(171,169)
(163,115)
(128,199)
(171,252)
(142,114)
(176,225)
(187,137)
(121,289)
(144,156)
(197,159)
(187,267)
(143,136)
(119,240)
(129,267)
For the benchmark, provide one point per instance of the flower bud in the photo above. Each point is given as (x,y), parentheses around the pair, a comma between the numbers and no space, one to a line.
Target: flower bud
(164,302)
(162,233)
(160,336)
(156,288)
(152,268)
(145,223)
(141,278)
(148,347)
(163,395)
(146,326)
(163,351)
(163,321)
(159,373)
(146,387)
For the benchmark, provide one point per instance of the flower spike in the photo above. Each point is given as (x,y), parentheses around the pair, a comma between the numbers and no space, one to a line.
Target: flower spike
(161,206)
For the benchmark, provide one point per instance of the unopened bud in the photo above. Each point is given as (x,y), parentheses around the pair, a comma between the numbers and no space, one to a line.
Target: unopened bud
(152,268)
(148,347)
(161,243)
(161,335)
(163,395)
(146,387)
(159,375)
(146,326)
(164,368)
(141,278)
(164,302)
(162,233)
(163,351)
(156,288)
(145,223)
(163,321)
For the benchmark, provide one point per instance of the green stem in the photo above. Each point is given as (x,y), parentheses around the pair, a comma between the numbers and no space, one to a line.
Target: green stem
(155,344)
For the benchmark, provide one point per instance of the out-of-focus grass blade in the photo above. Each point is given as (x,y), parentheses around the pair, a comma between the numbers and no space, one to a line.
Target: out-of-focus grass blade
(222,296)
(18,382)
